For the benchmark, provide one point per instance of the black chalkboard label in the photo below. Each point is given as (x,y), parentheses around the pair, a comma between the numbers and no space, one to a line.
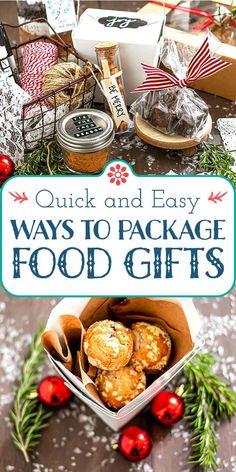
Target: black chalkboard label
(121,22)
(85,126)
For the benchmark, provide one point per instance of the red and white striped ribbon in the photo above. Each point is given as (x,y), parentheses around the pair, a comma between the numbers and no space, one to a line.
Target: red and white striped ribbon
(203,64)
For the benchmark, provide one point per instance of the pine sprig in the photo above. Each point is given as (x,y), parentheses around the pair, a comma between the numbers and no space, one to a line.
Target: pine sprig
(48,159)
(45,159)
(29,416)
(207,400)
(216,160)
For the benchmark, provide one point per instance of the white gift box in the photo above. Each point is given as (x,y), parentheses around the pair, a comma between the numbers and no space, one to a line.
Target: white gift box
(117,420)
(136,33)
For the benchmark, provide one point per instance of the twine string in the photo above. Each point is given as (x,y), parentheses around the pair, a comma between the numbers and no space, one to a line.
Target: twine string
(61,75)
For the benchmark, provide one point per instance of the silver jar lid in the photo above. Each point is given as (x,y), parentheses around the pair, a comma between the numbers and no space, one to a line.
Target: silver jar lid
(85,130)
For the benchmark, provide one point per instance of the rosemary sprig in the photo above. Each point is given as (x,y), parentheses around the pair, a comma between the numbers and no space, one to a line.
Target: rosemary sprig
(29,416)
(45,159)
(207,400)
(216,160)
(48,159)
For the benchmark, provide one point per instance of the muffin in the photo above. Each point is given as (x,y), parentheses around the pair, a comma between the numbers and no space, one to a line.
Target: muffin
(152,347)
(108,345)
(119,387)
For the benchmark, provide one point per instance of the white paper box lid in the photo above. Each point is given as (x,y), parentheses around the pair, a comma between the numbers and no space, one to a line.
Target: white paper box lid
(136,45)
(90,28)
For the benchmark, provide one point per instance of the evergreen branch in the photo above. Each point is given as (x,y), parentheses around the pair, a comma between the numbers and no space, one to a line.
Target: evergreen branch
(207,400)
(45,159)
(216,160)
(48,159)
(29,416)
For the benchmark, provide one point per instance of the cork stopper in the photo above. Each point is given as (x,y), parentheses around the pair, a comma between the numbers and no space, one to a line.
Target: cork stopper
(106,45)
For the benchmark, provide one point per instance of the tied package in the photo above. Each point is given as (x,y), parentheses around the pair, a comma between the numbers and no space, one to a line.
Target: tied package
(169,106)
(137,35)
(197,16)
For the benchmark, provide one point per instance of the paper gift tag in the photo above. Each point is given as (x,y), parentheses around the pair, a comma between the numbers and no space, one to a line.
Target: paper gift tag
(115,100)
(61,14)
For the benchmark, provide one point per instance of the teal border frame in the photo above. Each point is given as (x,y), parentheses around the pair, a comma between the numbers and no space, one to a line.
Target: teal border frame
(136,175)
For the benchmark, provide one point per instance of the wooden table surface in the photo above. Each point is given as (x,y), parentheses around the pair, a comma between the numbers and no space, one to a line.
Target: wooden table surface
(76,440)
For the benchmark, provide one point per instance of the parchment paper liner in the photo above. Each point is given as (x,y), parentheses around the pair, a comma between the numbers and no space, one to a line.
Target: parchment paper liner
(65,341)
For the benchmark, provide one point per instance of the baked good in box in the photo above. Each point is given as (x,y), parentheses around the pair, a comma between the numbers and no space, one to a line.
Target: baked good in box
(64,341)
(152,347)
(108,345)
(119,387)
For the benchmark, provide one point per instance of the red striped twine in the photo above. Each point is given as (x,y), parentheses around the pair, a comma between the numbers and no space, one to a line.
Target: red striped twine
(202,65)
(37,57)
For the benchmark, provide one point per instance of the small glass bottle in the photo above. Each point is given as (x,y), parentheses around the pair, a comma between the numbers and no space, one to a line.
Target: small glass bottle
(108,57)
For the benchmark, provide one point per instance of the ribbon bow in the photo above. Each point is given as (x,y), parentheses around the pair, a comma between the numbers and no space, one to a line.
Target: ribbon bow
(203,64)
(222,15)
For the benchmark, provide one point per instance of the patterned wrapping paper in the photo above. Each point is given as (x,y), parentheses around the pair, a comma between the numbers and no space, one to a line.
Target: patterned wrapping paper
(40,124)
(12,98)
(227,128)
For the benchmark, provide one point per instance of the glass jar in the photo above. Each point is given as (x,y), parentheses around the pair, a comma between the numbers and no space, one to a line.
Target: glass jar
(108,58)
(85,136)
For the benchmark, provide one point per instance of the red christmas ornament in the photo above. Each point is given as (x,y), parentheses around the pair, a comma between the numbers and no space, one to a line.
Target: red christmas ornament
(135,443)
(167,407)
(53,392)
(6,168)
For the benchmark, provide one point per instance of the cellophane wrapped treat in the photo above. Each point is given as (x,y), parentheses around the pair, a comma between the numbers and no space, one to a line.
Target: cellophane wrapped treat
(175,110)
